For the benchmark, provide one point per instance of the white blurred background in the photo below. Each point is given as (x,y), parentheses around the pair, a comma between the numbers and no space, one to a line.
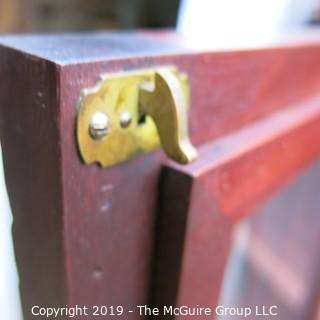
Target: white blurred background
(10,308)
(209,24)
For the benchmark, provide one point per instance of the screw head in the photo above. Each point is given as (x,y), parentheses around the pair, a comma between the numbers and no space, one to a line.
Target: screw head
(99,125)
(125,119)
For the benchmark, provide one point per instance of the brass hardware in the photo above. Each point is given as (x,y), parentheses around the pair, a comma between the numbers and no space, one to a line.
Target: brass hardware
(99,125)
(125,119)
(130,113)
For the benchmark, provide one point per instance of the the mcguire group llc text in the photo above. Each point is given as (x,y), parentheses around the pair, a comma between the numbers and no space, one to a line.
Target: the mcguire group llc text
(144,310)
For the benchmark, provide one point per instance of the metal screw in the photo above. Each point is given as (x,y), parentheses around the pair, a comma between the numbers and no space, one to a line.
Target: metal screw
(125,119)
(99,125)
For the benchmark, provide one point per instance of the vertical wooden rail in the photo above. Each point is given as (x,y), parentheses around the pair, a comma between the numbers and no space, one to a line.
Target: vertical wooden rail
(200,204)
(29,132)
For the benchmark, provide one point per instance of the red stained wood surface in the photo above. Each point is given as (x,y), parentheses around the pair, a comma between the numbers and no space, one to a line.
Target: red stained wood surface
(29,134)
(84,234)
(275,256)
(201,203)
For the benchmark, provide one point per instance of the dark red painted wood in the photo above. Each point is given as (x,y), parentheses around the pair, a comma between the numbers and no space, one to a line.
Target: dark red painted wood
(88,232)
(29,135)
(201,203)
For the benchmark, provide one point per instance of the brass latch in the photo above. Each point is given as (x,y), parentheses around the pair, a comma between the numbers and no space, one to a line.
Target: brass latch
(131,113)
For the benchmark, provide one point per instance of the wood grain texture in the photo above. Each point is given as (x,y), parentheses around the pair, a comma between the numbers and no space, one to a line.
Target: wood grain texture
(89,232)
(234,175)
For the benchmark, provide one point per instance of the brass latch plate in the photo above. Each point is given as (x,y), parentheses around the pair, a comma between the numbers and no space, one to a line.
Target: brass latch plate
(130,113)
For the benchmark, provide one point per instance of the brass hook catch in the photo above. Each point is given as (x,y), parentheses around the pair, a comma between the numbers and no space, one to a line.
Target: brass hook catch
(165,102)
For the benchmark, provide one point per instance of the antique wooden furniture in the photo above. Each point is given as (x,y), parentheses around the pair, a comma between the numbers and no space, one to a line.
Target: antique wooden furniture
(149,231)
